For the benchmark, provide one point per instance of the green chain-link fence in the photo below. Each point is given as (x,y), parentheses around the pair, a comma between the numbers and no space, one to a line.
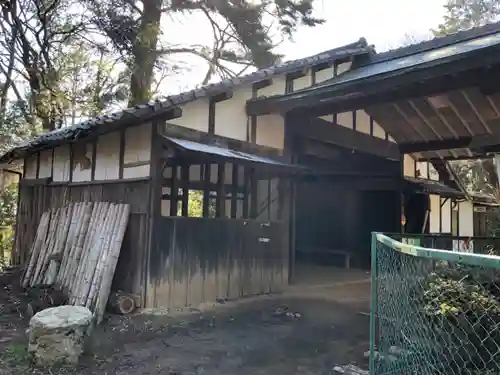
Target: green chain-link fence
(433,311)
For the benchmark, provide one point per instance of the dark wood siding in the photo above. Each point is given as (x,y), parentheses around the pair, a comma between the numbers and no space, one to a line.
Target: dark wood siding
(35,199)
(197,260)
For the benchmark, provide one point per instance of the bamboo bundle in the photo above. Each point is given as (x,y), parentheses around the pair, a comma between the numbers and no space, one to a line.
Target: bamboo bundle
(35,249)
(89,301)
(76,249)
(109,270)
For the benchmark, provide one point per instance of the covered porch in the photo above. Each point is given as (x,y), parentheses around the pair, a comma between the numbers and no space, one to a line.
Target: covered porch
(435,101)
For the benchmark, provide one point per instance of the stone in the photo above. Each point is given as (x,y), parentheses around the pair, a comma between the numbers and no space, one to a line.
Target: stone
(57,335)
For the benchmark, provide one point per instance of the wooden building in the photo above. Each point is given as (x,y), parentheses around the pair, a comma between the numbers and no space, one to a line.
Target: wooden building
(230,182)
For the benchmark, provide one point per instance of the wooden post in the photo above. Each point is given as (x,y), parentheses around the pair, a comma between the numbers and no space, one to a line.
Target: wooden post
(185,189)
(234,191)
(220,210)
(174,192)
(289,210)
(154,209)
(206,189)
(121,156)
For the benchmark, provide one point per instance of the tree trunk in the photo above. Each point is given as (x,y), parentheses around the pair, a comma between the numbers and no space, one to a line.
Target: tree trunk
(144,52)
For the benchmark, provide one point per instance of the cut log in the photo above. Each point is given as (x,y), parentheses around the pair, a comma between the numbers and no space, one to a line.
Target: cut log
(121,303)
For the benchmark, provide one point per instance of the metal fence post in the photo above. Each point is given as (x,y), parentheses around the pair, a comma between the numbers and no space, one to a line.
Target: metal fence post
(373,302)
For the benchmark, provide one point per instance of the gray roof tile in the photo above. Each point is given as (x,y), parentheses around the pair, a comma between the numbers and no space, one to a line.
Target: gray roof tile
(147,111)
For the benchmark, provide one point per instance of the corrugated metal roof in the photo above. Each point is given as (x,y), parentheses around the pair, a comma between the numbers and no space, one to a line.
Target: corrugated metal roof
(156,108)
(454,50)
(228,153)
(433,187)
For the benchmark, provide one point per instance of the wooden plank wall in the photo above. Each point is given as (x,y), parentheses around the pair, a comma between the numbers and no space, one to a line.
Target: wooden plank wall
(35,199)
(227,258)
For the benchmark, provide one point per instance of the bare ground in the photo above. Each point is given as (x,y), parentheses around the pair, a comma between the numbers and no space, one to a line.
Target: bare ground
(307,330)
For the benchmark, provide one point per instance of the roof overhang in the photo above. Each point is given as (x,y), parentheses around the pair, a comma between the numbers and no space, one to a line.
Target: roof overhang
(203,153)
(472,65)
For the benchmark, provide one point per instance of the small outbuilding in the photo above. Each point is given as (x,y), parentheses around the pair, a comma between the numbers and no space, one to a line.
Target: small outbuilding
(232,184)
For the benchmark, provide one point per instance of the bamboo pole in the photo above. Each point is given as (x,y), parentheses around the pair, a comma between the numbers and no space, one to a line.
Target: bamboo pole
(71,259)
(96,281)
(61,278)
(88,243)
(104,245)
(85,261)
(94,256)
(49,247)
(109,272)
(61,246)
(35,249)
(44,250)
(55,254)
(80,240)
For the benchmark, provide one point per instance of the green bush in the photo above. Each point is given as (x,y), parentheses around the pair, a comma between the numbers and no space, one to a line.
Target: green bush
(463,306)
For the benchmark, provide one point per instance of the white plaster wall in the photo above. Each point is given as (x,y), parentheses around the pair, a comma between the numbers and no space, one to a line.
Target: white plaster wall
(433,174)
(278,87)
(465,219)
(107,157)
(83,172)
(423,168)
(30,169)
(408,166)
(271,131)
(61,164)
(445,215)
(45,164)
(137,150)
(231,119)
(271,128)
(346,119)
(324,74)
(303,82)
(194,115)
(434,215)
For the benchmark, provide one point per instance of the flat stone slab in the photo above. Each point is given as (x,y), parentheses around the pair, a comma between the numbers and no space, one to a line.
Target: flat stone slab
(57,335)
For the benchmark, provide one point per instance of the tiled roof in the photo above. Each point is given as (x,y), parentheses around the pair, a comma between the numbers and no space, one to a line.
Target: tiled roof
(146,112)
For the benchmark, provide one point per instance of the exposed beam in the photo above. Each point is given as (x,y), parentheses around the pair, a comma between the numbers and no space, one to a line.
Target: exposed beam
(435,145)
(365,93)
(328,132)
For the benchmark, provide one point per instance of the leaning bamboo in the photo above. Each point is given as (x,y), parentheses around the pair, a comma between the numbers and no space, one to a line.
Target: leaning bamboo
(44,250)
(35,250)
(61,245)
(77,222)
(94,227)
(68,245)
(51,243)
(55,254)
(81,238)
(109,272)
(104,246)
(96,281)
(93,258)
(78,280)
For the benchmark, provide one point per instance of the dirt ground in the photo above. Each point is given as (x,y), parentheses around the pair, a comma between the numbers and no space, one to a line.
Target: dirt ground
(314,325)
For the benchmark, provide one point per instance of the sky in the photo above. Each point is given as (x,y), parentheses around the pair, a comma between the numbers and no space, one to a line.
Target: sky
(386,24)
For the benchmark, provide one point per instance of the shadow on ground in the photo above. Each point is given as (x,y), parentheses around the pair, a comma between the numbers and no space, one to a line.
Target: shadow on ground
(305,331)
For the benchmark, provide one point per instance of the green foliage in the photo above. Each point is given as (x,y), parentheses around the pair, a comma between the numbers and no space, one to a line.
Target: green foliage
(464,14)
(464,302)
(8,210)
(8,205)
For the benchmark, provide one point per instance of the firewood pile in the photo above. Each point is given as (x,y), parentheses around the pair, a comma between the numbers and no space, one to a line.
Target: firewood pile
(76,249)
